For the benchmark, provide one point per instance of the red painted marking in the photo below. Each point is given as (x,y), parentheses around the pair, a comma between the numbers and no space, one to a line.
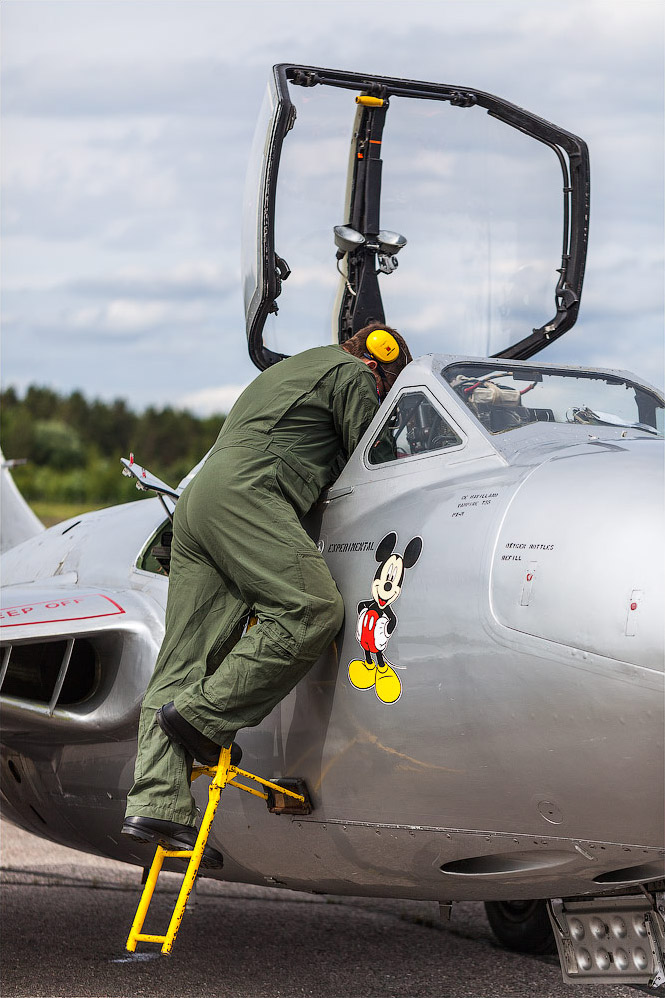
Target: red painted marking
(633,606)
(367,635)
(529,577)
(28,610)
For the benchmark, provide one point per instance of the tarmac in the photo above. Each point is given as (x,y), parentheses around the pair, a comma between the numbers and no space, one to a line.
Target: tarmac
(66,916)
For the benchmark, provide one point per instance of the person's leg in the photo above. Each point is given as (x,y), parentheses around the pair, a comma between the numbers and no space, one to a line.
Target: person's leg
(203,611)
(260,544)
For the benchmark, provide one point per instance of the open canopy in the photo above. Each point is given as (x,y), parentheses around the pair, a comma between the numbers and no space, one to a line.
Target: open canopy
(490,226)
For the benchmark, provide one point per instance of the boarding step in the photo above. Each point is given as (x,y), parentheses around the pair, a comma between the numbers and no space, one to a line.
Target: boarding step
(284,796)
(614,939)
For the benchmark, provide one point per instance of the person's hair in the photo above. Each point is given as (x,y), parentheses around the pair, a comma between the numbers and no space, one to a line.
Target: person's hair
(357,346)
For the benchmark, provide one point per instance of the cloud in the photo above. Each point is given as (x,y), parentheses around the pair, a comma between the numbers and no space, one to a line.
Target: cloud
(200,280)
(150,310)
(124,187)
(126,133)
(314,276)
(210,401)
(130,89)
(120,317)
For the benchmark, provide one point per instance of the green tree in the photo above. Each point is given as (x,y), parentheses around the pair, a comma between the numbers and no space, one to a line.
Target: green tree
(56,444)
(75,411)
(74,445)
(18,431)
(42,403)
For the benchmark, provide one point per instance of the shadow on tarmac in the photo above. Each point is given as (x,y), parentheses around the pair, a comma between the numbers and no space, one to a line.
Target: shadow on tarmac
(66,917)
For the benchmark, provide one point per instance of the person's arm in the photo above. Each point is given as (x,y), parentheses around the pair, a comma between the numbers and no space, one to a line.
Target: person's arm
(354,404)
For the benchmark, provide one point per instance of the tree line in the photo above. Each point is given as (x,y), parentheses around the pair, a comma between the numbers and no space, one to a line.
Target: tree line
(73,446)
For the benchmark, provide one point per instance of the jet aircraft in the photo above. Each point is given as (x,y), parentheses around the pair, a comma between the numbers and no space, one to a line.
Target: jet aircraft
(489,723)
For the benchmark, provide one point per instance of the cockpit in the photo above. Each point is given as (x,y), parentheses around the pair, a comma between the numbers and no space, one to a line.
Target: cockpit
(506,397)
(423,420)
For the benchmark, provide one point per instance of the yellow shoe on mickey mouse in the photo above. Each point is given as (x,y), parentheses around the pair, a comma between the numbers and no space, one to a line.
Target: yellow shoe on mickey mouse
(388,686)
(361,674)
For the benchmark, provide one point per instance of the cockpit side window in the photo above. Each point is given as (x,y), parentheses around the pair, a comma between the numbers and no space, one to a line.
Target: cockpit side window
(415,427)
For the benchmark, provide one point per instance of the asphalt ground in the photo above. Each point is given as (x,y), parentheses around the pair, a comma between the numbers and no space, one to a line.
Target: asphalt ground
(66,916)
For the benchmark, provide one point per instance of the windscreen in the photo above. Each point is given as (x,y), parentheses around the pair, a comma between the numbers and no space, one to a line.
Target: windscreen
(480,205)
(506,398)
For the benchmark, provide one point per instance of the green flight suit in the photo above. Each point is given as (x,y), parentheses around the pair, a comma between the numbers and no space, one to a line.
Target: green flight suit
(238,544)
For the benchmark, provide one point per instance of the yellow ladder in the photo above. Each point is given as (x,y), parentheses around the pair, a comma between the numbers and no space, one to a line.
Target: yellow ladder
(224,775)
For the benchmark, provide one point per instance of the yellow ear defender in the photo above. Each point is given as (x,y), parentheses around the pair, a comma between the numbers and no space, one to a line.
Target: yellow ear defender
(383,346)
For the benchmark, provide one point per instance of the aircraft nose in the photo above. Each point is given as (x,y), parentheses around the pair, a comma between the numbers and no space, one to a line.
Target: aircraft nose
(579,554)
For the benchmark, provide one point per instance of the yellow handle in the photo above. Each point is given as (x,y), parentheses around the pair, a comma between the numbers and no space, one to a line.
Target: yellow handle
(367,101)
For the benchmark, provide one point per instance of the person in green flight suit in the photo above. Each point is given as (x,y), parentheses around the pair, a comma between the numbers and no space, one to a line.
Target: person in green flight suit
(238,545)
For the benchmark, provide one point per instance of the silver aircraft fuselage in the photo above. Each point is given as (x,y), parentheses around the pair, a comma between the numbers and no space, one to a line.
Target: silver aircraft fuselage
(523,757)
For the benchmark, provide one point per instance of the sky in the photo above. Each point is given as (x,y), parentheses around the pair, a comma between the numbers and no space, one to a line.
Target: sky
(126,131)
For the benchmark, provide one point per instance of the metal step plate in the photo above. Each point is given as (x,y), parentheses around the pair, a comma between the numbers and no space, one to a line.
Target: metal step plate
(279,803)
(610,939)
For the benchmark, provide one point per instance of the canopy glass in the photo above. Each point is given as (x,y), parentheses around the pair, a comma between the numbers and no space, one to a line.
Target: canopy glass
(490,218)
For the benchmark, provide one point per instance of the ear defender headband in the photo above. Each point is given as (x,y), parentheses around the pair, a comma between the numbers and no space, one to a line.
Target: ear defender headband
(382,346)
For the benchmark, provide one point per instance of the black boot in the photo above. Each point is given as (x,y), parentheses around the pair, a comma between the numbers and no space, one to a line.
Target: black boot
(170,835)
(180,731)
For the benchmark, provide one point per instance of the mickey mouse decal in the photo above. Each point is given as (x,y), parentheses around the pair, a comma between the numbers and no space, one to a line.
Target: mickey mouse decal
(376,620)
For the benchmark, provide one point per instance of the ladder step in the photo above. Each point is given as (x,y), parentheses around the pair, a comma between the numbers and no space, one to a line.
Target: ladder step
(284,796)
